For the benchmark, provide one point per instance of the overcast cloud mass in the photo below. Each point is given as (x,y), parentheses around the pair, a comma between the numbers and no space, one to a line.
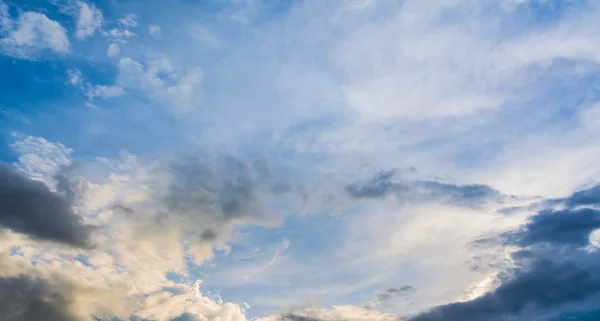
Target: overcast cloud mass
(343,160)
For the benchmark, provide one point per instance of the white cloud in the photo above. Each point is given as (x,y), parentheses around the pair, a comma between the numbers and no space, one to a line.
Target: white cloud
(154,30)
(104,91)
(75,78)
(113,50)
(39,158)
(32,33)
(119,35)
(159,80)
(6,22)
(129,21)
(400,68)
(90,19)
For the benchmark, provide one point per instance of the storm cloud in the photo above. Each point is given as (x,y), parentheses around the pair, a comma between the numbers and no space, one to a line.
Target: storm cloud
(553,267)
(546,284)
(30,207)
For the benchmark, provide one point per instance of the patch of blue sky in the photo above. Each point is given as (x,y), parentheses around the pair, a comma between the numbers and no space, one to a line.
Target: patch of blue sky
(310,236)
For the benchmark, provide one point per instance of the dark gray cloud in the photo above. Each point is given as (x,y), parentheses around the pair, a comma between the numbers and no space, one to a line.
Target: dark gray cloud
(228,188)
(544,285)
(554,271)
(25,298)
(566,227)
(392,293)
(570,226)
(589,196)
(382,184)
(208,235)
(208,194)
(120,208)
(379,185)
(30,207)
(295,317)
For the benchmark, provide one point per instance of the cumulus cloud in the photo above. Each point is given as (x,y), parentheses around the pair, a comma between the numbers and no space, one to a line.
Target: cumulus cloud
(30,294)
(37,299)
(201,201)
(90,19)
(32,34)
(138,245)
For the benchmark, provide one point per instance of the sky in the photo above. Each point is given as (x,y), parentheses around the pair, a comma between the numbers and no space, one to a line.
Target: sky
(278,160)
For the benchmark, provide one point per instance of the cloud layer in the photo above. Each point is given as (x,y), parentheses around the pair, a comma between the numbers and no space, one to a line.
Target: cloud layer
(359,160)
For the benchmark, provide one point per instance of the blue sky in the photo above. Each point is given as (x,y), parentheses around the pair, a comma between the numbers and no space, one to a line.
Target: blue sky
(299,160)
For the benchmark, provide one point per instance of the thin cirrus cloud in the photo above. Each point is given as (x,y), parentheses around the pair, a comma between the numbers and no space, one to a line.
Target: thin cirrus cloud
(306,161)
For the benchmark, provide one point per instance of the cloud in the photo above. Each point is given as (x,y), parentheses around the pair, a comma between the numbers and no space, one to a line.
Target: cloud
(119,35)
(154,30)
(30,207)
(394,293)
(6,22)
(138,246)
(217,195)
(36,299)
(28,294)
(129,21)
(546,285)
(41,159)
(90,19)
(566,227)
(104,91)
(546,278)
(571,226)
(32,34)
(75,78)
(158,79)
(346,313)
(113,50)
(477,91)
(417,191)
(589,196)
